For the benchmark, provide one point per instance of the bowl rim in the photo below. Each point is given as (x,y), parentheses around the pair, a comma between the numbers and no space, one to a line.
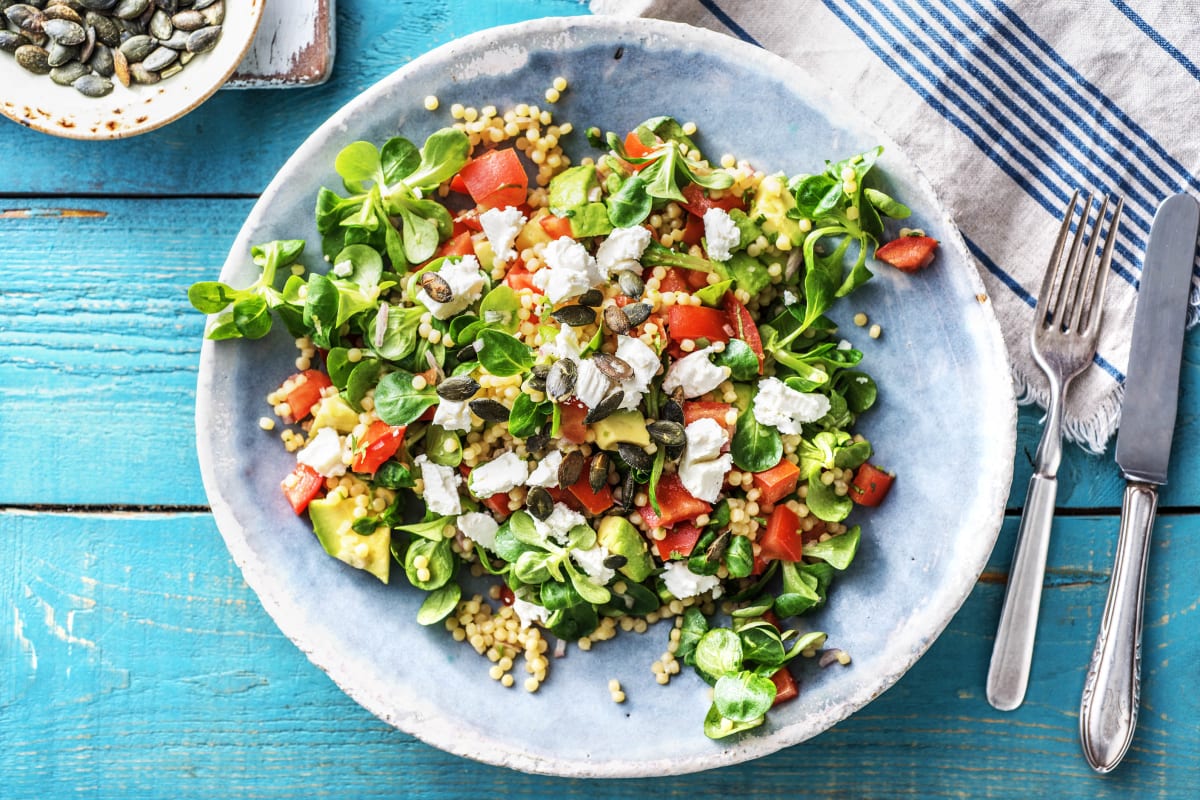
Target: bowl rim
(493,749)
(92,126)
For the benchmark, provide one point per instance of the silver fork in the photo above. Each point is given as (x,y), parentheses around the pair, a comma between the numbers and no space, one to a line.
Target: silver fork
(1063,341)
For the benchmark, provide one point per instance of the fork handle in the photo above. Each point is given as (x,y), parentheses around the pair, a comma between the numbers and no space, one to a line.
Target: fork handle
(1108,711)
(1012,652)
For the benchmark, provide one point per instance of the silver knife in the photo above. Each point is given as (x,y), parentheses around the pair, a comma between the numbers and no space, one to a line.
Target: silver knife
(1108,711)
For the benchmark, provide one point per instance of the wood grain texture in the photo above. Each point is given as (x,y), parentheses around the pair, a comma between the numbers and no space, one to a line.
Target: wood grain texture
(137,664)
(294,46)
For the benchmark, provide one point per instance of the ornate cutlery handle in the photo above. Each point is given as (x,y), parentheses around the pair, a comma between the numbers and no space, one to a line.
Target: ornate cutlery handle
(1108,711)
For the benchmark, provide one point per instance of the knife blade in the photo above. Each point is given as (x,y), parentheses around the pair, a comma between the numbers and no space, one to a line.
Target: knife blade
(1108,709)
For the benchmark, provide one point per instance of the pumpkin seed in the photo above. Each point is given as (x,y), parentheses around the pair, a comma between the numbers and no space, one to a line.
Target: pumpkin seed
(536,444)
(136,48)
(605,408)
(26,17)
(537,377)
(436,287)
(539,503)
(598,471)
(62,11)
(169,6)
(560,383)
(215,14)
(176,41)
(121,67)
(489,410)
(130,9)
(160,59)
(11,40)
(575,316)
(33,58)
(467,354)
(93,86)
(628,491)
(160,25)
(613,366)
(667,433)
(88,46)
(67,74)
(635,456)
(631,284)
(200,5)
(616,320)
(101,61)
(459,388)
(98,5)
(106,30)
(571,469)
(717,549)
(139,74)
(174,69)
(59,54)
(188,20)
(672,411)
(615,561)
(203,40)
(592,298)
(64,31)
(637,313)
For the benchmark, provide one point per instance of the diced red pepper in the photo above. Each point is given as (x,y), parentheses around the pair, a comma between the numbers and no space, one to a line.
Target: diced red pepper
(698,200)
(870,485)
(782,540)
(305,392)
(518,278)
(595,503)
(496,179)
(635,149)
(302,486)
(676,503)
(565,497)
(777,482)
(555,227)
(378,445)
(457,184)
(459,245)
(693,230)
(705,409)
(498,503)
(675,280)
(680,541)
(697,322)
(908,253)
(572,427)
(744,327)
(785,686)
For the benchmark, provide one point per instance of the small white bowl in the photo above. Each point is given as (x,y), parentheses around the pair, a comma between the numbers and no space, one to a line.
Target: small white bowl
(39,103)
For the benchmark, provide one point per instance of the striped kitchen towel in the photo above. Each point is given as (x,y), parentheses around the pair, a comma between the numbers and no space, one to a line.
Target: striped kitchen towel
(1008,107)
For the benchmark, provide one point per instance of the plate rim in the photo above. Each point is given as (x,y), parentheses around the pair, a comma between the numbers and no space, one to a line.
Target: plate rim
(492,750)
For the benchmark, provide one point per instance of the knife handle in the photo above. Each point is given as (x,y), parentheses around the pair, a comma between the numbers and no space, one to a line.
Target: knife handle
(1012,652)
(1108,711)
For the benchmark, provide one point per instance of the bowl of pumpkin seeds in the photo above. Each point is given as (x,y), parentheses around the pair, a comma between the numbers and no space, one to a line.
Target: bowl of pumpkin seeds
(110,69)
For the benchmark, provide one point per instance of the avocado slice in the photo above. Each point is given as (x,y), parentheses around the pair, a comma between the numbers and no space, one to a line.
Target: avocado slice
(772,204)
(619,536)
(572,188)
(621,426)
(334,412)
(332,517)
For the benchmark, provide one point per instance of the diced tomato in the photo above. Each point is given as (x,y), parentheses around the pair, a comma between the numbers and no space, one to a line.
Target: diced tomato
(457,184)
(498,503)
(378,445)
(760,566)
(698,200)
(702,409)
(697,322)
(693,230)
(782,540)
(680,540)
(908,253)
(769,616)
(468,221)
(572,427)
(777,482)
(305,392)
(814,533)
(427,414)
(635,148)
(870,485)
(785,686)
(506,595)
(301,486)
(674,281)
(676,503)
(555,227)
(744,327)
(594,502)
(565,497)
(459,245)
(496,179)
(519,278)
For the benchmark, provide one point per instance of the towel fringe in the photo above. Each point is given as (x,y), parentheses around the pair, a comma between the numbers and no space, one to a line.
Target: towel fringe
(1091,432)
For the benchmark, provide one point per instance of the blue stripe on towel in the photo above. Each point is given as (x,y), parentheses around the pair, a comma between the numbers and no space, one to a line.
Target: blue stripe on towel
(729,22)
(1156,37)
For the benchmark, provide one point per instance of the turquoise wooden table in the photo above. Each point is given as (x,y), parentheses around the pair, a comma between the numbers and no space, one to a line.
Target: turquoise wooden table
(134,661)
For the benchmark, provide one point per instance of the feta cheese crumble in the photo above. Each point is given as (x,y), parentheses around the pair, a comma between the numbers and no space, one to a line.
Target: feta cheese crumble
(343,268)
(529,613)
(479,528)
(501,227)
(683,583)
(558,525)
(695,374)
(645,363)
(465,282)
(453,415)
(441,486)
(592,385)
(622,249)
(570,270)
(721,234)
(702,469)
(786,409)
(564,345)
(592,563)
(545,474)
(324,454)
(502,474)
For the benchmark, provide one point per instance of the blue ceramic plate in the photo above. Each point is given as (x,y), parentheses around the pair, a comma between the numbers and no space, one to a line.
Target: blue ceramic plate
(945,423)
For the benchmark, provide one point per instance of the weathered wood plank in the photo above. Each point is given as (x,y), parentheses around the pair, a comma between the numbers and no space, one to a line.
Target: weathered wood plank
(236,141)
(136,663)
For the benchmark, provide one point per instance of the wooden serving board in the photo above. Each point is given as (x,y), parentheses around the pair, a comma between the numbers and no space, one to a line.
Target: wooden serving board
(294,47)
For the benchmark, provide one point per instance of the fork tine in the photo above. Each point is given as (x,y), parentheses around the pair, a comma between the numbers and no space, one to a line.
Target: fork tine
(1045,301)
(1064,303)
(1088,273)
(1097,303)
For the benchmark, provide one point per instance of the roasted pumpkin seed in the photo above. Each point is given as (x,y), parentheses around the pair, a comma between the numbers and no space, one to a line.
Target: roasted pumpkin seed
(672,411)
(615,561)
(628,491)
(667,433)
(67,74)
(26,17)
(489,410)
(33,58)
(637,313)
(11,40)
(615,319)
(539,503)
(436,287)
(716,550)
(160,59)
(613,366)
(203,40)
(189,20)
(93,85)
(560,382)
(575,316)
(598,471)
(635,456)
(458,388)
(631,284)
(59,54)
(64,31)
(592,298)
(605,408)
(571,469)
(62,11)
